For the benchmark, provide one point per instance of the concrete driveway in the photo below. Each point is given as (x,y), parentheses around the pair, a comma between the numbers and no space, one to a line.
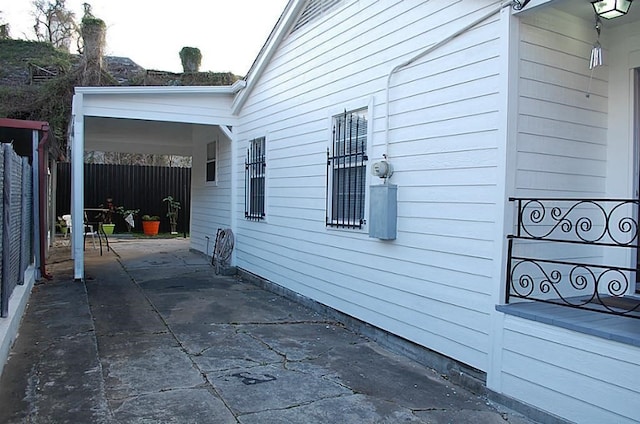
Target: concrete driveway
(154,336)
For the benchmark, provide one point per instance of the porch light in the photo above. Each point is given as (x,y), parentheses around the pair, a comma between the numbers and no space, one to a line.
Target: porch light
(609,9)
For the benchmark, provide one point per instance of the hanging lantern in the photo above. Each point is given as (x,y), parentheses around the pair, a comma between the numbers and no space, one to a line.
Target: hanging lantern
(609,9)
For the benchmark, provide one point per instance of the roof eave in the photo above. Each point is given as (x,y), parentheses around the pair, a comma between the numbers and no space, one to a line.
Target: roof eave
(187,89)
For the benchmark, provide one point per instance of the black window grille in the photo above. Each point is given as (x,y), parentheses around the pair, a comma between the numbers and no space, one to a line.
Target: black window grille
(346,170)
(254,166)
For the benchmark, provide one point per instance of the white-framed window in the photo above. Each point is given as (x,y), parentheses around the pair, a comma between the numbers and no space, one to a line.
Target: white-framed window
(347,169)
(255,166)
(212,165)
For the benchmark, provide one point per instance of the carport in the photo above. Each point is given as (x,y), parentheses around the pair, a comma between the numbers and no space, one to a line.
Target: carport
(150,120)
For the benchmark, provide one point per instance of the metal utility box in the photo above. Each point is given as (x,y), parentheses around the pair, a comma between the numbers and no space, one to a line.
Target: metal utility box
(383,211)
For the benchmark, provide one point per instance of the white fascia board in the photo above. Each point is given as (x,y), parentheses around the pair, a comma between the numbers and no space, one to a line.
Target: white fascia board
(188,89)
(287,19)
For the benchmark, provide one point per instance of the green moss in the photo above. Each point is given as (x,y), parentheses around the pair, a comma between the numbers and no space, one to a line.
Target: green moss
(17,52)
(191,59)
(93,21)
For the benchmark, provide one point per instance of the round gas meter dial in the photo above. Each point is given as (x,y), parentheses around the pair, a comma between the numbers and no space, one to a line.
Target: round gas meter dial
(382,169)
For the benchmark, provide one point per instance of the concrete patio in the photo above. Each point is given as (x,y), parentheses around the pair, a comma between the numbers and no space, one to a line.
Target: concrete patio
(154,336)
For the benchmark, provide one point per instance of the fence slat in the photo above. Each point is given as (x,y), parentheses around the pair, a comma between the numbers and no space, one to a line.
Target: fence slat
(131,186)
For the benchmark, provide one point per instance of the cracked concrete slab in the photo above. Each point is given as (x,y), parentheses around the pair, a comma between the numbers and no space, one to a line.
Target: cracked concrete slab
(227,306)
(367,369)
(342,409)
(154,336)
(216,347)
(302,340)
(124,319)
(156,370)
(146,364)
(53,373)
(171,407)
(271,387)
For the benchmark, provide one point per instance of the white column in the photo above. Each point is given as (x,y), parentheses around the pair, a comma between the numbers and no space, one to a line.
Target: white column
(505,185)
(77,188)
(233,224)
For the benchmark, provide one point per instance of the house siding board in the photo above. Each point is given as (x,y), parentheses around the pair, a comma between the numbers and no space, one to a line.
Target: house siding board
(211,201)
(167,107)
(445,161)
(583,378)
(555,113)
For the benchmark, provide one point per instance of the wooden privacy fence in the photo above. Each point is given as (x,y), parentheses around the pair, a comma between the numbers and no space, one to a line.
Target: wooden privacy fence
(130,186)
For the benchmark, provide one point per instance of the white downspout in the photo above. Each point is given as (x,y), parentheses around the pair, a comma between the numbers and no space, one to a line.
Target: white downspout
(423,53)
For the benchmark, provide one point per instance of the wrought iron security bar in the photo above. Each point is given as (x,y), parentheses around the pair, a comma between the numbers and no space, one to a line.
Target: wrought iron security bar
(563,249)
(346,171)
(255,165)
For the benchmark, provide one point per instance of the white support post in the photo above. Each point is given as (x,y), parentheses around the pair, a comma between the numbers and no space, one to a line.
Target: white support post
(234,185)
(77,189)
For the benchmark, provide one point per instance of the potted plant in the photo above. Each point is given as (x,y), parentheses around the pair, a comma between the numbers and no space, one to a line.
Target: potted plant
(173,206)
(61,225)
(129,216)
(150,224)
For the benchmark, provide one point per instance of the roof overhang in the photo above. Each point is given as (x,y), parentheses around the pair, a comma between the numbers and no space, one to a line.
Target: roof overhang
(151,120)
(20,133)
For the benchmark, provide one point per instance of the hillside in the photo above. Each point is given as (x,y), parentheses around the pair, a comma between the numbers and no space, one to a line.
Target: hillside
(37,81)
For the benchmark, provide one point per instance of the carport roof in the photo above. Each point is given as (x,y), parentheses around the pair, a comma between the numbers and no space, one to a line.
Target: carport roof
(20,133)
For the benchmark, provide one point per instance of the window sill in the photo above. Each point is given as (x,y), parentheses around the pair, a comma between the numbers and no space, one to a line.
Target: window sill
(611,327)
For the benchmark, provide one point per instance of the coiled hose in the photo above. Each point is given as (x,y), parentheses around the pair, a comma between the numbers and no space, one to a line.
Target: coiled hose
(222,249)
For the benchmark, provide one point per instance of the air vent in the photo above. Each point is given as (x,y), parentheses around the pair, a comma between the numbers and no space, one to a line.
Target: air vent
(313,10)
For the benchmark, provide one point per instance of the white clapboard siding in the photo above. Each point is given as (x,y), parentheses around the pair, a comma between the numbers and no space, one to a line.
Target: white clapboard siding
(211,202)
(199,108)
(561,132)
(582,378)
(433,284)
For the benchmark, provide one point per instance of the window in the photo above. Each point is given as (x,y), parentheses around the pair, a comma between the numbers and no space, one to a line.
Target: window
(346,170)
(212,154)
(254,166)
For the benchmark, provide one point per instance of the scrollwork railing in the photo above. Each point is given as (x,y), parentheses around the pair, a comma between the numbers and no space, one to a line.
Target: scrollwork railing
(575,230)
(595,221)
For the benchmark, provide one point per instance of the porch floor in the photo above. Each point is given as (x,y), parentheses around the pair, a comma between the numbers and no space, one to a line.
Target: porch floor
(611,327)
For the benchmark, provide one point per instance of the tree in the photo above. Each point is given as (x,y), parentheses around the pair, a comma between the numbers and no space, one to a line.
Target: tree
(55,23)
(4,29)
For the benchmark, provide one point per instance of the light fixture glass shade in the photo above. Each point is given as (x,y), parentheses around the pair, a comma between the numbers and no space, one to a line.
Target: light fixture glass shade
(609,9)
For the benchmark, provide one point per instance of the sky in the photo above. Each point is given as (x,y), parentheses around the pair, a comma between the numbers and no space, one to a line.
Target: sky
(229,33)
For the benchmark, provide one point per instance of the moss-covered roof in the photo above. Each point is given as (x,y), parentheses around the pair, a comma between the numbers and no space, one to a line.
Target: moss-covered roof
(37,81)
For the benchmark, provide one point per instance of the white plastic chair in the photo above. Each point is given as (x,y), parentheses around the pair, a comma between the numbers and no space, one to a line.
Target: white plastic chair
(88,228)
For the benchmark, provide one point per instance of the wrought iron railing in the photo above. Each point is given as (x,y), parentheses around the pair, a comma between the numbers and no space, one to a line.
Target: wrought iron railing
(576,253)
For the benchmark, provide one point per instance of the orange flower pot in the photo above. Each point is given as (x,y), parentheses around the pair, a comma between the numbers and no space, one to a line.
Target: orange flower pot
(150,228)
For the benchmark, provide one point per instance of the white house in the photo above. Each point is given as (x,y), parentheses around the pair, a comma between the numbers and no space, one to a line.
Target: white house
(471,103)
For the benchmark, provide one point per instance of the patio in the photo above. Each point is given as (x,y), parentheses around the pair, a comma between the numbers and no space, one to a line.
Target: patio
(153,335)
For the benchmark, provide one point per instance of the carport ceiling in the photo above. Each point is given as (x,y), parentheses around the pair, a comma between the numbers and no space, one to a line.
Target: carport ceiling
(137,136)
